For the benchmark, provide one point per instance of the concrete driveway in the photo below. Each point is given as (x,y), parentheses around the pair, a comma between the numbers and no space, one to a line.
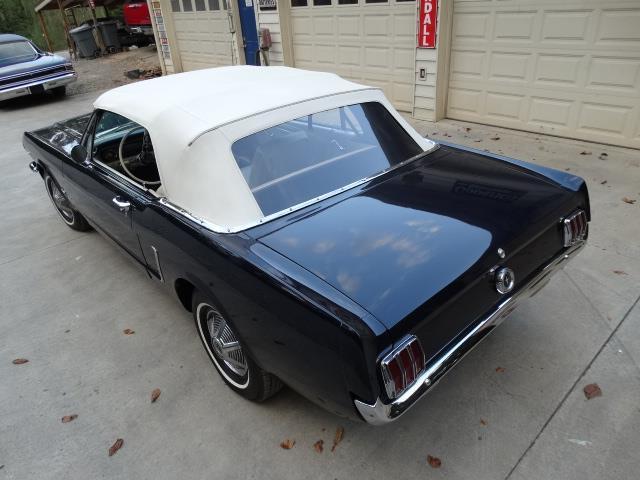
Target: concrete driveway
(514,408)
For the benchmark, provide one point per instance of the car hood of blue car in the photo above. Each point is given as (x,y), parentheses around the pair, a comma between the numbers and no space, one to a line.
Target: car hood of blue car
(37,63)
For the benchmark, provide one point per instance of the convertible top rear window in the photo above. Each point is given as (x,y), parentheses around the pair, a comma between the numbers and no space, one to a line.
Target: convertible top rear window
(317,154)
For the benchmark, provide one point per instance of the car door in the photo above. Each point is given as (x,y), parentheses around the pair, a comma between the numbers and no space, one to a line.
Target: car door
(106,197)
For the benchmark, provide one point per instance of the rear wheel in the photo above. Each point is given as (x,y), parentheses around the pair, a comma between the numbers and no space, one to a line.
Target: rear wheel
(69,215)
(227,353)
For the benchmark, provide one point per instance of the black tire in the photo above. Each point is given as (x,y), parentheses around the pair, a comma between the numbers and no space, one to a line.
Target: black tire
(240,373)
(70,216)
(59,91)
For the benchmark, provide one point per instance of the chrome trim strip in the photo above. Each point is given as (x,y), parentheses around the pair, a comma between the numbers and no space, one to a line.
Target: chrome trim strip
(7,93)
(31,72)
(220,229)
(155,254)
(380,413)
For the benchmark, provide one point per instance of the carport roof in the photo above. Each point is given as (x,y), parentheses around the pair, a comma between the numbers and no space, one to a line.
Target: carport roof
(53,4)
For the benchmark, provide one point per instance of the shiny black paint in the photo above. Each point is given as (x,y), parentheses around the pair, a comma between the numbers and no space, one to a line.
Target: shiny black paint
(304,291)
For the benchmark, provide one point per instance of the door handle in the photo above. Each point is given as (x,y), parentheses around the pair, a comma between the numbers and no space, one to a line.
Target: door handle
(123,205)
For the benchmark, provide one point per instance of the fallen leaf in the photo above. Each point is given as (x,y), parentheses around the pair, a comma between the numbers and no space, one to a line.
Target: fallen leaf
(319,446)
(499,369)
(155,394)
(584,152)
(567,169)
(19,361)
(287,444)
(69,418)
(483,422)
(478,141)
(620,272)
(628,200)
(592,390)
(495,138)
(128,331)
(338,438)
(115,447)
(468,129)
(435,462)
(603,182)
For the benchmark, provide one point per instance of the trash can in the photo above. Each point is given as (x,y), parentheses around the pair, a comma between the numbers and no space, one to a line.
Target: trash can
(83,37)
(109,31)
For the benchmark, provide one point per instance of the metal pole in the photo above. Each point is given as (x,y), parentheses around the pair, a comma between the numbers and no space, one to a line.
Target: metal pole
(44,30)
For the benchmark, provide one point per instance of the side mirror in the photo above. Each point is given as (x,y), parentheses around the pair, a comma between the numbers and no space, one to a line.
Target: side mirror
(79,154)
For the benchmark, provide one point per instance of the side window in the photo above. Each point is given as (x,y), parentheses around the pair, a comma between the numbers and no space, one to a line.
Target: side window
(125,146)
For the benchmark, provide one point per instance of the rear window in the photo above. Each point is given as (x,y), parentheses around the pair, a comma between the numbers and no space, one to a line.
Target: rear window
(16,52)
(313,155)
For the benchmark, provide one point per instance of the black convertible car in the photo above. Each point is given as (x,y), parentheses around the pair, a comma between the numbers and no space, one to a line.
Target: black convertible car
(317,238)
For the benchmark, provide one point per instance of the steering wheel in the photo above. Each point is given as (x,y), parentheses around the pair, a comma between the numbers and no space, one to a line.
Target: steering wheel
(141,157)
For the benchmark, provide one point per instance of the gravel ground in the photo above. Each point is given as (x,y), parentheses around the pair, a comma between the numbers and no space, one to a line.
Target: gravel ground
(109,71)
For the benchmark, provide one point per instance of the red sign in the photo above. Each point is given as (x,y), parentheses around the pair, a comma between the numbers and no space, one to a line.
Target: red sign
(427,23)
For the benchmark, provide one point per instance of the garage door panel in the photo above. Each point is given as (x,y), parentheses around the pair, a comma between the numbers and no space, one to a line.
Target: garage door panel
(370,44)
(570,69)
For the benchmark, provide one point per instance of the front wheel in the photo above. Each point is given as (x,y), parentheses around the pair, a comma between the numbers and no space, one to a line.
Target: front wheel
(225,350)
(69,215)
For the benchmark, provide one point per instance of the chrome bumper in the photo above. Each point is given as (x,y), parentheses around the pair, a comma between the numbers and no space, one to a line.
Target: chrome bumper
(47,83)
(380,413)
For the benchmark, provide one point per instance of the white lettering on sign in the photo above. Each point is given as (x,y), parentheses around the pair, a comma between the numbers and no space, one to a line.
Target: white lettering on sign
(427,28)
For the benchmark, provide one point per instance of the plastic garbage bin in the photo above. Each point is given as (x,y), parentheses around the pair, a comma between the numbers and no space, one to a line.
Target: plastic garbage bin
(83,37)
(109,32)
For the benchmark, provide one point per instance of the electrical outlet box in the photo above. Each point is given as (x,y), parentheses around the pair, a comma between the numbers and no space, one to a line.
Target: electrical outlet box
(423,74)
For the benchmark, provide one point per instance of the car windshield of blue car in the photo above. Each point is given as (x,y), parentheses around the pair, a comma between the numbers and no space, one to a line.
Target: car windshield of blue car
(16,52)
(312,156)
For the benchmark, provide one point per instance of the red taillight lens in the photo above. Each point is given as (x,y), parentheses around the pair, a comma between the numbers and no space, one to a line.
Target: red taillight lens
(402,366)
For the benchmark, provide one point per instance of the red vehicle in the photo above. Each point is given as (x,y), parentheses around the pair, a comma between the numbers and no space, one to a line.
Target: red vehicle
(137,17)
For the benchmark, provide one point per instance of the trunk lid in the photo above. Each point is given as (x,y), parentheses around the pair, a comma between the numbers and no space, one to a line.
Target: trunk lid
(423,234)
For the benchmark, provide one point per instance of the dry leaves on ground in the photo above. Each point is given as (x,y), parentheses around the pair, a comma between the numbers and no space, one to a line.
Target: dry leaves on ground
(434,462)
(319,446)
(128,331)
(69,418)
(628,200)
(592,390)
(155,394)
(499,369)
(338,438)
(620,272)
(603,156)
(287,444)
(603,182)
(468,129)
(19,361)
(115,447)
(585,152)
(495,138)
(483,422)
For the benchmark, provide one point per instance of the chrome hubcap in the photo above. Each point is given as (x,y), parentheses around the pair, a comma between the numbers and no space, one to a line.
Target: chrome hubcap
(61,202)
(224,343)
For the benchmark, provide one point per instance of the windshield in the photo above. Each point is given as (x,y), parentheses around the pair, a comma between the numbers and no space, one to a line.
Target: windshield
(16,52)
(313,155)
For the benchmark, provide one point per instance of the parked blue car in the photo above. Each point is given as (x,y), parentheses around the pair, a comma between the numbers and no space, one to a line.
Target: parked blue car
(25,69)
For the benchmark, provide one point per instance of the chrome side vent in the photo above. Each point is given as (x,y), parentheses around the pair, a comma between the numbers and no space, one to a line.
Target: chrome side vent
(575,228)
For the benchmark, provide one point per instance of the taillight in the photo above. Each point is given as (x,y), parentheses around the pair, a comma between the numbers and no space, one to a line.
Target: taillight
(575,228)
(402,366)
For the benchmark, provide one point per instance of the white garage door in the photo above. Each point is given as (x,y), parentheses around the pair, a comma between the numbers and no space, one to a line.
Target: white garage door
(569,68)
(371,42)
(202,33)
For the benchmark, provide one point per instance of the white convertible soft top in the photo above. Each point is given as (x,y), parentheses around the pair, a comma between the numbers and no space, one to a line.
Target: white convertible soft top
(203,100)
(193,119)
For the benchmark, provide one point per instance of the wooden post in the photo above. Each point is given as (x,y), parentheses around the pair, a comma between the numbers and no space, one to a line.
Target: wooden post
(92,9)
(44,30)
(71,45)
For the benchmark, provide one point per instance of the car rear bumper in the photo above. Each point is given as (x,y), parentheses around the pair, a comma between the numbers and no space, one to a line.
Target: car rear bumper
(44,83)
(380,413)
(143,29)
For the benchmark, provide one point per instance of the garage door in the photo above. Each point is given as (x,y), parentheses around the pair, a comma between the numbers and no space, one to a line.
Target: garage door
(202,33)
(569,68)
(371,42)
